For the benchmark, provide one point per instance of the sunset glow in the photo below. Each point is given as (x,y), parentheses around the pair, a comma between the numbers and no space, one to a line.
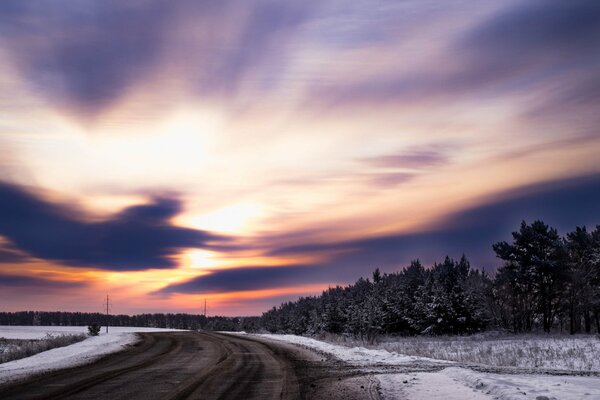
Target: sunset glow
(249,153)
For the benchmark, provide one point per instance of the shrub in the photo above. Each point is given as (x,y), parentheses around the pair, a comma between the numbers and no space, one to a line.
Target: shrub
(94,329)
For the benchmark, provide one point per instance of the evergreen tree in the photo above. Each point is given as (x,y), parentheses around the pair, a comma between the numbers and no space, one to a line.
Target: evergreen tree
(533,273)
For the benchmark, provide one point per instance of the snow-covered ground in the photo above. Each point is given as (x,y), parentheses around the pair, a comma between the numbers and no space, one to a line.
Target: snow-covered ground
(566,352)
(38,332)
(453,382)
(69,356)
(354,355)
(464,384)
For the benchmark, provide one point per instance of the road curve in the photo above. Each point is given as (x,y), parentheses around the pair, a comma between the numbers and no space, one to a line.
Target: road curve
(194,365)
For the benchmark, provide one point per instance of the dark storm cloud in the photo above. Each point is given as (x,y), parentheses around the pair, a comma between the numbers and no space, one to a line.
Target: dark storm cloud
(250,278)
(12,281)
(140,237)
(528,45)
(88,53)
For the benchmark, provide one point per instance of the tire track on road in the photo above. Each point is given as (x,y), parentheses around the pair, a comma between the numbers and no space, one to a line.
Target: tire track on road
(69,390)
(173,347)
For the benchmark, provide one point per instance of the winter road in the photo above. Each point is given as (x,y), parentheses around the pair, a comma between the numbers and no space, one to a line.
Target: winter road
(194,365)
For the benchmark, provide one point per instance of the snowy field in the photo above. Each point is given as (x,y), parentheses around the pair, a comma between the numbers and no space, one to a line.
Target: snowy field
(79,353)
(453,382)
(573,353)
(38,332)
(14,349)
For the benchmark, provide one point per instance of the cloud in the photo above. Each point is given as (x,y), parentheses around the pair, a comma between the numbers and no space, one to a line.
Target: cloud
(255,48)
(13,281)
(410,159)
(89,54)
(257,305)
(523,46)
(139,237)
(563,204)
(380,180)
(388,179)
(538,29)
(8,254)
(249,278)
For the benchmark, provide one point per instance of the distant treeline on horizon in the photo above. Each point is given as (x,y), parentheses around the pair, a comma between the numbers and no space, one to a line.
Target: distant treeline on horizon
(156,320)
(547,282)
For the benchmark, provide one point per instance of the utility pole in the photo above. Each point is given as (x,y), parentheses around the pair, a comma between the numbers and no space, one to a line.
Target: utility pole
(204,308)
(107,304)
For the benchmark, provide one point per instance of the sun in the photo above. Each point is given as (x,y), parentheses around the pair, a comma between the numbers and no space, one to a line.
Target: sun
(235,218)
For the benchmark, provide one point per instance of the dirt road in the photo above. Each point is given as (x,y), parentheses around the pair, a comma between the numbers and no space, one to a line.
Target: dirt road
(194,365)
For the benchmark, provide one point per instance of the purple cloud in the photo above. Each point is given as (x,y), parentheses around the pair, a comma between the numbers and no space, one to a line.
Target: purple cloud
(140,237)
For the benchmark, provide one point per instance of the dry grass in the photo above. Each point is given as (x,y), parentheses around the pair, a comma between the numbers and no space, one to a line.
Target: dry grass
(14,349)
(576,353)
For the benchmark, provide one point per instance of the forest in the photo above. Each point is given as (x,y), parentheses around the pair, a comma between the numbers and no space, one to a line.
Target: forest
(546,283)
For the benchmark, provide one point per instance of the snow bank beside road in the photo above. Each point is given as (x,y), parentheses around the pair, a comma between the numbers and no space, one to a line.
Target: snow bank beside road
(426,386)
(453,383)
(69,356)
(354,355)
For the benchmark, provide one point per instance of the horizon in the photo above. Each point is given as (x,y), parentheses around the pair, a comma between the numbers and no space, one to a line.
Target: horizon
(250,154)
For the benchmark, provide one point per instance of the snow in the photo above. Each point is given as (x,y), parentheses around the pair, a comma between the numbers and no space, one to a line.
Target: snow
(452,382)
(509,387)
(551,352)
(359,356)
(73,355)
(464,384)
(426,386)
(38,332)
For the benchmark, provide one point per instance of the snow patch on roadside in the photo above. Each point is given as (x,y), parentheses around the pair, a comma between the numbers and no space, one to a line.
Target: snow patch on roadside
(354,355)
(453,383)
(464,384)
(426,386)
(509,387)
(73,355)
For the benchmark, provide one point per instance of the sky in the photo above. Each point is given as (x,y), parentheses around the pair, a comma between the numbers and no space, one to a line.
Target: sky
(249,152)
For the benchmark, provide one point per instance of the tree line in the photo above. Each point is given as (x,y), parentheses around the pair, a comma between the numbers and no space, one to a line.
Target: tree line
(547,282)
(156,320)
